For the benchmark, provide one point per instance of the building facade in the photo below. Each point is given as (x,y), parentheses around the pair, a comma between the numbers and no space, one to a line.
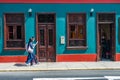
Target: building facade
(65,30)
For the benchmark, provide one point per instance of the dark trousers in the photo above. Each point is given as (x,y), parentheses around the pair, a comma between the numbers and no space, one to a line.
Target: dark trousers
(31,58)
(103,52)
(34,59)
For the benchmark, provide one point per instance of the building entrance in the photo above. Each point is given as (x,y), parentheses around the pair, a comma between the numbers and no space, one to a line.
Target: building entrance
(106,36)
(46,37)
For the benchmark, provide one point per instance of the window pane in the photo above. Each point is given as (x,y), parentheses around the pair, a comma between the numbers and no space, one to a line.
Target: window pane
(41,18)
(50,18)
(77,43)
(76,18)
(15,33)
(46,18)
(106,17)
(80,32)
(14,18)
(50,37)
(14,44)
(19,33)
(42,37)
(10,32)
(76,30)
(72,34)
(72,18)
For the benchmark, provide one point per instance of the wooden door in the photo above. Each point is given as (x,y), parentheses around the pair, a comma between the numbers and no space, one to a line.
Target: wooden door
(112,35)
(98,43)
(51,43)
(112,40)
(46,39)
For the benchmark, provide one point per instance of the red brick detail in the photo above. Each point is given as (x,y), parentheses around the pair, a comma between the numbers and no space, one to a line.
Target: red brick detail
(59,1)
(117,57)
(13,58)
(76,57)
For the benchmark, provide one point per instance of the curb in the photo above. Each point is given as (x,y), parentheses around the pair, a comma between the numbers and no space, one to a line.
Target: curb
(15,70)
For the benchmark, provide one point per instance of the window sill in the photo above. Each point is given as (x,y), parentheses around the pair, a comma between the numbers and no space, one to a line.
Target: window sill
(77,48)
(14,48)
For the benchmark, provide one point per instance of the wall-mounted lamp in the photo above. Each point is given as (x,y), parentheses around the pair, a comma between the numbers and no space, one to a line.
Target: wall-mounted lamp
(91,11)
(30,12)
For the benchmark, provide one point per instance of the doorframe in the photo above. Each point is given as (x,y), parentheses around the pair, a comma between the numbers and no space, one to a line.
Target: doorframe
(37,47)
(97,36)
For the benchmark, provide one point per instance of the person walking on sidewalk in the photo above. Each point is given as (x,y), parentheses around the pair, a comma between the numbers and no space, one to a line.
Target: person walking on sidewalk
(33,54)
(30,49)
(29,57)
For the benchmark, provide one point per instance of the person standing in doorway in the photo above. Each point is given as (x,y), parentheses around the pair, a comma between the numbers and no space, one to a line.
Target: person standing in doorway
(103,45)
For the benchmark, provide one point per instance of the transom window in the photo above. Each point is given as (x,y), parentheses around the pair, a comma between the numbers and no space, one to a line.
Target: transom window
(76,30)
(14,31)
(46,18)
(106,17)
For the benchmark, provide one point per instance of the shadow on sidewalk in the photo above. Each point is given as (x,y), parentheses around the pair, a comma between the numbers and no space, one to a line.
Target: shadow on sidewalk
(19,64)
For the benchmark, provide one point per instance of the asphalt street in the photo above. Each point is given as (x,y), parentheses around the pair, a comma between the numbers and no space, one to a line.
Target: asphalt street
(60,75)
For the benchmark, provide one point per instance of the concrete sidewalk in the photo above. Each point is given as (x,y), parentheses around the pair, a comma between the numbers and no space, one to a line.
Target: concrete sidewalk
(60,66)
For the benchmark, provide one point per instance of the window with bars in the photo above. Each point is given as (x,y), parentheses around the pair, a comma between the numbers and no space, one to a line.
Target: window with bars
(76,31)
(14,31)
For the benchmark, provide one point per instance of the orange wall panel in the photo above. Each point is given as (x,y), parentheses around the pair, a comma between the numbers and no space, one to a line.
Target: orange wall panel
(75,57)
(13,58)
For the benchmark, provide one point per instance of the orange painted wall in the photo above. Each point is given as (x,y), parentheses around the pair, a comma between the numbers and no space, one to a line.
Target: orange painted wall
(117,57)
(59,58)
(13,58)
(75,57)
